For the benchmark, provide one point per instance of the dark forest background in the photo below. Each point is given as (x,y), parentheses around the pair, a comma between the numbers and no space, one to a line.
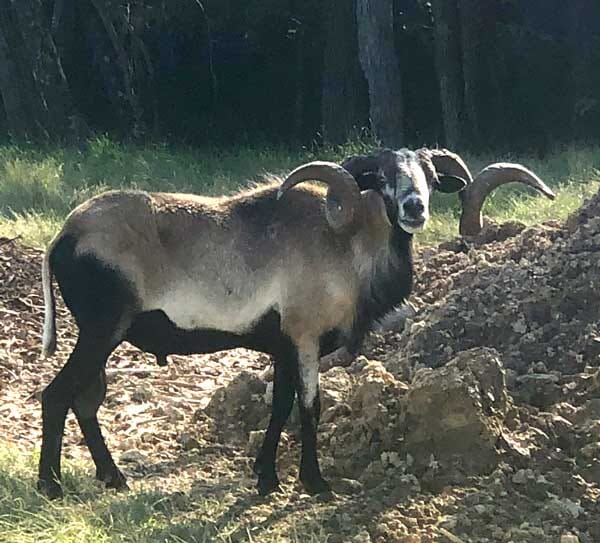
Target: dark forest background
(477,74)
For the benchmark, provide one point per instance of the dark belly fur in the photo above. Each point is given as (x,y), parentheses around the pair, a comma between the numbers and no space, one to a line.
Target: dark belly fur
(154,332)
(97,294)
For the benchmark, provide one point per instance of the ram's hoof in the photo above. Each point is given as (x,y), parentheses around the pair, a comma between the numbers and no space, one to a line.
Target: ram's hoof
(267,485)
(316,485)
(161,359)
(50,489)
(115,480)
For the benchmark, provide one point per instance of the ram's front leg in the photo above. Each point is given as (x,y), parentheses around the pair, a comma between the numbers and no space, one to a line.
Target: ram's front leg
(310,408)
(283,399)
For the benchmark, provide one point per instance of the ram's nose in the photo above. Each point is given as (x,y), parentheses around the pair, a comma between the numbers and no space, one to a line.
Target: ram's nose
(414,209)
(413,214)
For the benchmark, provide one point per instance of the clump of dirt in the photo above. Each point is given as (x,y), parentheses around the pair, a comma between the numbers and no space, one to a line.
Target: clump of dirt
(492,232)
(536,301)
(239,408)
(457,408)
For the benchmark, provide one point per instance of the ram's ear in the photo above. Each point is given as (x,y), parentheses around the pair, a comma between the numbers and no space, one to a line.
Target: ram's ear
(364,169)
(369,181)
(450,183)
(375,210)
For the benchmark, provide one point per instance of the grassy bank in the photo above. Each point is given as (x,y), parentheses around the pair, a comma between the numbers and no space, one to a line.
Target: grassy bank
(39,187)
(93,515)
(149,513)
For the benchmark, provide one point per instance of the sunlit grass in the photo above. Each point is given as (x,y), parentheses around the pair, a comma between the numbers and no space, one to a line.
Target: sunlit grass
(32,228)
(513,204)
(38,187)
(91,514)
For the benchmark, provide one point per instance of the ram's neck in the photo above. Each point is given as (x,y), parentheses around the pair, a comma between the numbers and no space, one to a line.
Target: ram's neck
(401,268)
(388,283)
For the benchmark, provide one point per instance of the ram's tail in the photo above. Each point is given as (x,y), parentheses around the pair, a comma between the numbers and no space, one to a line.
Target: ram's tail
(49,336)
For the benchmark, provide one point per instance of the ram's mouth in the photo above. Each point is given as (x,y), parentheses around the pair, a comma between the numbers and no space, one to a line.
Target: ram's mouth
(412,226)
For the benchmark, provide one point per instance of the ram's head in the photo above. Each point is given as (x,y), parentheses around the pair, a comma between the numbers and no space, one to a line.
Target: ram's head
(407,178)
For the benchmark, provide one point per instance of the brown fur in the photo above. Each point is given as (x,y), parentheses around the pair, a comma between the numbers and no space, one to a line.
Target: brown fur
(237,245)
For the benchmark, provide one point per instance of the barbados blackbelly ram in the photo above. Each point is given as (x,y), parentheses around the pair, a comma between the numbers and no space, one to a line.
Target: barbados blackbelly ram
(292,271)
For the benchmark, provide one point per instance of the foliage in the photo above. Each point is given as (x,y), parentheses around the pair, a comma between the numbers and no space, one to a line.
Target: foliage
(38,187)
(217,72)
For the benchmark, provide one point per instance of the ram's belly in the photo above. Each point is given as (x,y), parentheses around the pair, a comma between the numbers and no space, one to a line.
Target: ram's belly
(192,306)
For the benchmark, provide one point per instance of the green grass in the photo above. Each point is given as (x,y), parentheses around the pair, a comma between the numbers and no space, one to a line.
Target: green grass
(90,514)
(38,187)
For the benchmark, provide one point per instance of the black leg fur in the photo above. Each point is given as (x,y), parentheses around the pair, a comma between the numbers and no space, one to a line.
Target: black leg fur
(283,400)
(310,473)
(86,406)
(79,373)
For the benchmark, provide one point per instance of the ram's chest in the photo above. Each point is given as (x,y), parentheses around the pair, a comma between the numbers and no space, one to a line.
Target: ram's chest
(233,308)
(389,279)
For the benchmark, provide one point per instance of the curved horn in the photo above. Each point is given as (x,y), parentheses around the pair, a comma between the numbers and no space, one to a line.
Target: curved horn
(343,194)
(449,163)
(427,165)
(485,182)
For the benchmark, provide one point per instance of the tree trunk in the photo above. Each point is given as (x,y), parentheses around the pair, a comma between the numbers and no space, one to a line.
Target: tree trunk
(481,93)
(344,86)
(35,93)
(581,47)
(300,96)
(448,61)
(471,52)
(380,66)
(118,35)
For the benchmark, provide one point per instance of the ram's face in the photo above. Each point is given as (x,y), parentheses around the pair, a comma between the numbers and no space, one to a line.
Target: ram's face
(406,190)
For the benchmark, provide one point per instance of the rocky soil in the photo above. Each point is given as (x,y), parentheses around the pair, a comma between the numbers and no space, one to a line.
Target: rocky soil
(476,419)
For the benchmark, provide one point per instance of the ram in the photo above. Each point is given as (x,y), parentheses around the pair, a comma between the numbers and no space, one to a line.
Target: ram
(295,272)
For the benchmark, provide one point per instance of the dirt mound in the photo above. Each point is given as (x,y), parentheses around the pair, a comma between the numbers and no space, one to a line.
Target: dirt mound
(373,422)
(536,300)
(456,264)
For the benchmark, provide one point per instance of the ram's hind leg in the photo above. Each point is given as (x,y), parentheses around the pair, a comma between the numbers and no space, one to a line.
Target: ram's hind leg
(75,379)
(86,407)
(102,302)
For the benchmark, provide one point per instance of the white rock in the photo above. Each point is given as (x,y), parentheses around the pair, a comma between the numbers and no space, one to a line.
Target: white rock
(269,393)
(361,537)
(522,476)
(391,459)
(568,506)
(255,439)
(133,456)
